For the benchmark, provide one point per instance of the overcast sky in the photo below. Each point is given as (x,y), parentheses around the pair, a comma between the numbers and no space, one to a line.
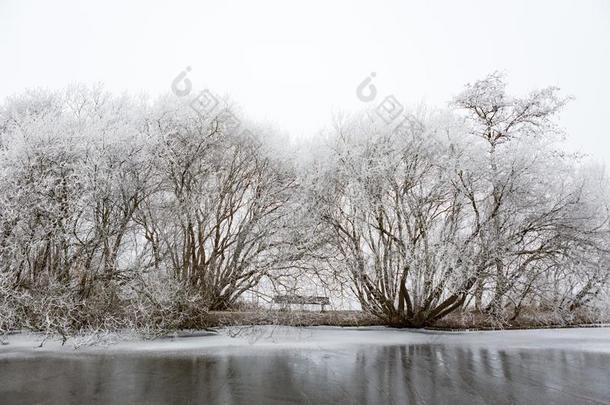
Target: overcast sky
(295,64)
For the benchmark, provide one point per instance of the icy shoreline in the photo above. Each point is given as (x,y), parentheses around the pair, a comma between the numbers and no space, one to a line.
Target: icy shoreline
(283,337)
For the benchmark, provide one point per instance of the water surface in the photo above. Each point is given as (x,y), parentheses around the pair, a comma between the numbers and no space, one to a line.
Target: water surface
(360,374)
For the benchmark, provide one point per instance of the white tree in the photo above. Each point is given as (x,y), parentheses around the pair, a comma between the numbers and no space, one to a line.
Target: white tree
(526,202)
(217,219)
(396,223)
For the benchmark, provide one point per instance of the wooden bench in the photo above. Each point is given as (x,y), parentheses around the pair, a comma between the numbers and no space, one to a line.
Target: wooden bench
(287,300)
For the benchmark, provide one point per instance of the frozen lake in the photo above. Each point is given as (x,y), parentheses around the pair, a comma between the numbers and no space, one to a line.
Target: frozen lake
(318,366)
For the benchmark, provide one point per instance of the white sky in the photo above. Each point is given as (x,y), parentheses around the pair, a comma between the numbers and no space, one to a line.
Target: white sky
(295,64)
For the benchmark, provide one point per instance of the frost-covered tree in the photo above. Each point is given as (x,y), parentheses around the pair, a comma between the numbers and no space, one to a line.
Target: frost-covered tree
(480,206)
(531,210)
(397,225)
(120,211)
(107,199)
(217,219)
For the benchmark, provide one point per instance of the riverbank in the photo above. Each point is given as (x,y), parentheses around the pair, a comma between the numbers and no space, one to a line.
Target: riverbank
(457,321)
(273,319)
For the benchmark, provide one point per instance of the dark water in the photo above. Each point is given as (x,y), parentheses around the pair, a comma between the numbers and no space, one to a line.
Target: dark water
(422,374)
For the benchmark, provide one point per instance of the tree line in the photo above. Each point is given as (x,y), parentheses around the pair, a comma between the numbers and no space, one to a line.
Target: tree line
(119,211)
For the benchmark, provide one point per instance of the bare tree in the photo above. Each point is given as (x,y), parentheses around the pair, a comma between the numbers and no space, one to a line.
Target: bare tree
(216,217)
(397,224)
(528,208)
